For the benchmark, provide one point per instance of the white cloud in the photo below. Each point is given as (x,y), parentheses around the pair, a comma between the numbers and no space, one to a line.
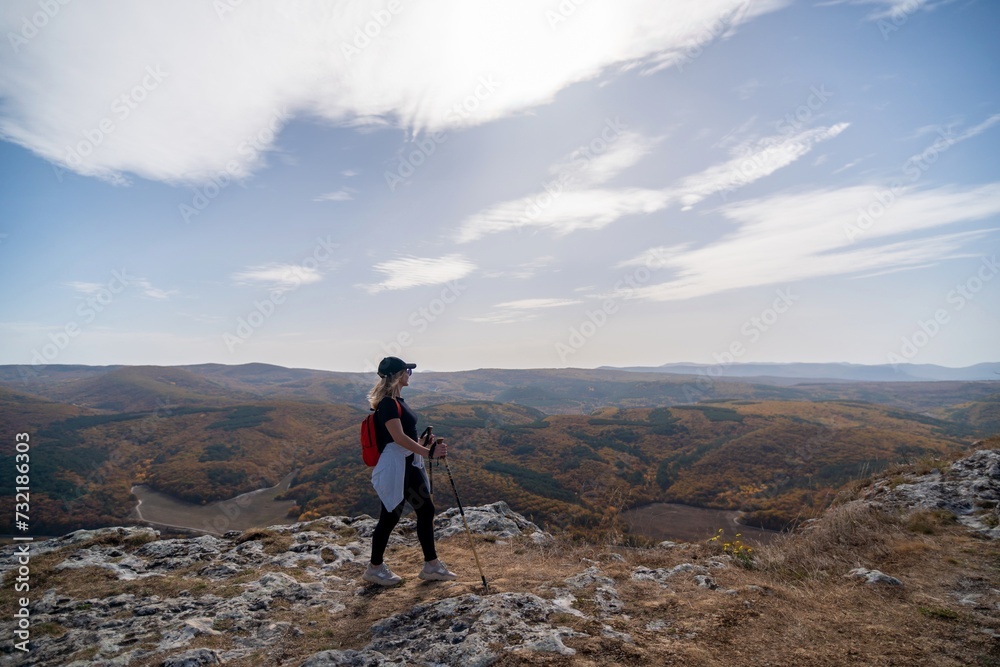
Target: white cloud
(533,304)
(153,292)
(523,310)
(143,284)
(587,167)
(751,163)
(344,194)
(566,203)
(277,276)
(562,212)
(852,163)
(85,287)
(895,9)
(946,137)
(524,270)
(504,317)
(569,201)
(747,89)
(785,238)
(108,88)
(409,272)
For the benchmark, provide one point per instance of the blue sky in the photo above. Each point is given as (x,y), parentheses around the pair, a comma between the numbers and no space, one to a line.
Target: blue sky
(514,185)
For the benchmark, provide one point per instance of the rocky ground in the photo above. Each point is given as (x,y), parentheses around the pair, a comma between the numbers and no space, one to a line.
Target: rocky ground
(888,578)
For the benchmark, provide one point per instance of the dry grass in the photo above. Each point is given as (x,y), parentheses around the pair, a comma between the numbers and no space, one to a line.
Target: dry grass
(274,542)
(929,521)
(847,535)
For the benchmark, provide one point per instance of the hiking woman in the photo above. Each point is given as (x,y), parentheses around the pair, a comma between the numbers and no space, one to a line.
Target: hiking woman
(399,476)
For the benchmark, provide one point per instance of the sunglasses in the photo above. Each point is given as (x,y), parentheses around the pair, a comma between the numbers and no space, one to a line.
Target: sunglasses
(409,371)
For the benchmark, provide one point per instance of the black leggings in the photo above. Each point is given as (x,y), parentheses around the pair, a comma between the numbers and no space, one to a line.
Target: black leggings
(414,492)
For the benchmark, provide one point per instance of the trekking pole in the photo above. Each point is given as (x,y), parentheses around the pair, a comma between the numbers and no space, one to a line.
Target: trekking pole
(468,532)
(430,459)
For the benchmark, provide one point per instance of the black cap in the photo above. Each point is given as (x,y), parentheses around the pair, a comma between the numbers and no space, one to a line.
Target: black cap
(392,365)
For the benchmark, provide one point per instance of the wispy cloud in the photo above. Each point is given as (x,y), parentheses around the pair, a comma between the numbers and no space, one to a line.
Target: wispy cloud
(946,133)
(852,163)
(747,89)
(790,237)
(889,9)
(533,304)
(523,310)
(277,276)
(409,272)
(85,287)
(504,317)
(585,168)
(752,162)
(344,194)
(522,271)
(153,292)
(571,202)
(204,109)
(145,286)
(570,211)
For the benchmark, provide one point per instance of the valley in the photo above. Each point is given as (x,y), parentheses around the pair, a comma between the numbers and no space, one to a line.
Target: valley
(578,451)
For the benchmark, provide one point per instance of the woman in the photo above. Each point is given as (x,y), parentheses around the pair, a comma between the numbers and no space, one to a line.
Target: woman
(399,476)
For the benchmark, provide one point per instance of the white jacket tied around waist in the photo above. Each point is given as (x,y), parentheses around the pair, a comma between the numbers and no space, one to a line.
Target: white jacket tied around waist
(389,474)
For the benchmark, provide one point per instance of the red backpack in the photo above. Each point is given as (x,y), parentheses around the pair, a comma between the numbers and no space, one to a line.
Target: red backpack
(369,441)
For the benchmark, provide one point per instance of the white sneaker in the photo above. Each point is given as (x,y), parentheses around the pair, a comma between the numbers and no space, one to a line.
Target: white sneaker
(437,572)
(381,575)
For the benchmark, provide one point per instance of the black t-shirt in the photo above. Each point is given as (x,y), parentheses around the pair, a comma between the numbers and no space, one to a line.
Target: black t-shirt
(388,411)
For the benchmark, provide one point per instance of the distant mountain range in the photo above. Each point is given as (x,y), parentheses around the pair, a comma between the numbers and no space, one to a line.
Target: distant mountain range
(553,391)
(830,372)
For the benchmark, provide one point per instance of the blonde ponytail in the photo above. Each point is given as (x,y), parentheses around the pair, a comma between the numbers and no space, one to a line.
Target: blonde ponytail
(387,386)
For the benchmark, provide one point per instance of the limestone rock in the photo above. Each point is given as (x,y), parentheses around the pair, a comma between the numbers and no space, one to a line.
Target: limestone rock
(668,544)
(124,567)
(497,519)
(969,488)
(661,575)
(873,577)
(195,658)
(590,577)
(466,631)
(325,556)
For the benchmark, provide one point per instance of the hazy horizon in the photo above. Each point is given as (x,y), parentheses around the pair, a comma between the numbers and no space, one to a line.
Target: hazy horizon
(421,369)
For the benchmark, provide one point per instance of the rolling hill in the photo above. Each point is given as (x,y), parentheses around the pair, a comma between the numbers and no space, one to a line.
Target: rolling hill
(205,433)
(554,391)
